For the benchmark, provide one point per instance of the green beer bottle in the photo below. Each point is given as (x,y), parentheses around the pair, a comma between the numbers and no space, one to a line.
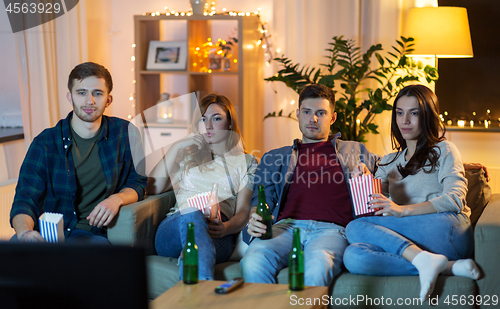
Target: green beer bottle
(265,213)
(190,257)
(296,264)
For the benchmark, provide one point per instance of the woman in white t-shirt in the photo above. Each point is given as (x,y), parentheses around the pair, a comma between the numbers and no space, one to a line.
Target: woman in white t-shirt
(421,224)
(212,153)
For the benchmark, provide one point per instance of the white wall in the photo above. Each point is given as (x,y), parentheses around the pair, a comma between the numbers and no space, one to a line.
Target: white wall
(10,104)
(11,153)
(482,147)
(14,152)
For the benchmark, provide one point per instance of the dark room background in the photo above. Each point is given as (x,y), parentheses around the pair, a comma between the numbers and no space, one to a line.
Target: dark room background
(468,85)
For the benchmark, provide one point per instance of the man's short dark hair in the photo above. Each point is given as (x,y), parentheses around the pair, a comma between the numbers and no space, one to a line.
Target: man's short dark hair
(315,91)
(88,69)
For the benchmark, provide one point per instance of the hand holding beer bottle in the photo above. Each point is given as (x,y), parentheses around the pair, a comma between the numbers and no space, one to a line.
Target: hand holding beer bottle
(261,222)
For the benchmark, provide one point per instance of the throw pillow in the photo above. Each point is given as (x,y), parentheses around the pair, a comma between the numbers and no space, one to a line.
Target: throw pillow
(479,193)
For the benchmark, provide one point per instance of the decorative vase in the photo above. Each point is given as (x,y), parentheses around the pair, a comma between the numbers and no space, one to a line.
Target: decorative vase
(226,64)
(214,60)
(198,6)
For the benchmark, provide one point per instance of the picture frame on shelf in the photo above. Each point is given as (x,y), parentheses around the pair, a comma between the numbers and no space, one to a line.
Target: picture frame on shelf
(167,55)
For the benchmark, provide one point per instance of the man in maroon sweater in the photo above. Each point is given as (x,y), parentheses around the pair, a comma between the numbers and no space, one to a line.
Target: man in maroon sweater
(305,186)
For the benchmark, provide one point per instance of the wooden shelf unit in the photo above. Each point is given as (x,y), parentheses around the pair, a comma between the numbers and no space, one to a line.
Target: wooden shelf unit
(248,70)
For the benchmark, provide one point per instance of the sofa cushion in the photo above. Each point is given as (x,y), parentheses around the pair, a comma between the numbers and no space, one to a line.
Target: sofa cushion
(163,273)
(347,287)
(479,193)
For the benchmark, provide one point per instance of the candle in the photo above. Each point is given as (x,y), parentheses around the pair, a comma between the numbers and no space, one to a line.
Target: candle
(472,123)
(461,123)
(163,112)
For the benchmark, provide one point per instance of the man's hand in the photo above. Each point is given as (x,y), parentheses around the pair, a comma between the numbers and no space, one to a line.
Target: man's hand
(24,227)
(105,211)
(360,170)
(30,236)
(216,228)
(255,226)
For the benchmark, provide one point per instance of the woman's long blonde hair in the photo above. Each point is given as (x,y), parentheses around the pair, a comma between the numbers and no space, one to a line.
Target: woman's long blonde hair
(234,142)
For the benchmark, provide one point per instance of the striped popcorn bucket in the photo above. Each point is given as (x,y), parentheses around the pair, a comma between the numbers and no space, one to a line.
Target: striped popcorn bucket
(201,201)
(361,188)
(51,227)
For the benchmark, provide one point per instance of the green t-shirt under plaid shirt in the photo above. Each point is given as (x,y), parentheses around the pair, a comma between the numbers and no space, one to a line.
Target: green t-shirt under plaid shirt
(90,180)
(47,181)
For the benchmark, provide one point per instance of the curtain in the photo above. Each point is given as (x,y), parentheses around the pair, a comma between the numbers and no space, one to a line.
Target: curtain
(46,55)
(302,30)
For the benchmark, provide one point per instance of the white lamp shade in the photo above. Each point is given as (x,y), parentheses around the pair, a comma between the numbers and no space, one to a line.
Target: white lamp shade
(439,31)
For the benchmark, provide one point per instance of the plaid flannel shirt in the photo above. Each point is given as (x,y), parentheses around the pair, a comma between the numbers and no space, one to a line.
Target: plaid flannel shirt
(47,180)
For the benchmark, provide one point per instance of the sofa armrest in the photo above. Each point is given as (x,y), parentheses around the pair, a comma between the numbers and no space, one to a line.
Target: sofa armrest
(487,247)
(136,224)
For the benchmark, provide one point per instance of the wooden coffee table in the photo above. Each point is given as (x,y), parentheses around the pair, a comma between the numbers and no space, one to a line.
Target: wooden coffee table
(250,295)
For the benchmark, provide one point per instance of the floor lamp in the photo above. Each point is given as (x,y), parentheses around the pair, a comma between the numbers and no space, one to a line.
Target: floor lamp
(439,32)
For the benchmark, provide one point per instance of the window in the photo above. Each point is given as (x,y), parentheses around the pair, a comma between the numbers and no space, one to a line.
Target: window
(471,85)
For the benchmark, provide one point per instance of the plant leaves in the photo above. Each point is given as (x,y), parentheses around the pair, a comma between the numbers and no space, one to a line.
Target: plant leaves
(380,59)
(352,68)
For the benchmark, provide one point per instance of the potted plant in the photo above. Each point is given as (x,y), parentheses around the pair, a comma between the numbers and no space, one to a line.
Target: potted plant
(357,103)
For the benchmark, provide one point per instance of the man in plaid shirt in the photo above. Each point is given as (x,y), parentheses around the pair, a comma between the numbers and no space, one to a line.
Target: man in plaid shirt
(83,167)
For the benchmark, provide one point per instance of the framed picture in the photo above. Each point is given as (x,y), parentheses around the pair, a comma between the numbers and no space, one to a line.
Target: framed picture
(167,55)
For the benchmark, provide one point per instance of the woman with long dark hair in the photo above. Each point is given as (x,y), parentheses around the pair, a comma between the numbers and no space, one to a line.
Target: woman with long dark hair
(421,224)
(212,153)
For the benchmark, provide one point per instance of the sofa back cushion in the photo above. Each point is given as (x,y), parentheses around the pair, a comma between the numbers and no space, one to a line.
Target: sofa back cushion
(479,193)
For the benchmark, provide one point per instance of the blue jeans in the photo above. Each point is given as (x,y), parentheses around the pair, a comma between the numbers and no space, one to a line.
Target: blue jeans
(171,238)
(97,237)
(378,242)
(82,236)
(323,244)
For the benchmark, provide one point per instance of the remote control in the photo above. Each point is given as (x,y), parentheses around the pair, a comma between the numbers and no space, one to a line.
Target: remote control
(229,286)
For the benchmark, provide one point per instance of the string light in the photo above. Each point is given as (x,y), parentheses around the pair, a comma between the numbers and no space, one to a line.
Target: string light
(210,10)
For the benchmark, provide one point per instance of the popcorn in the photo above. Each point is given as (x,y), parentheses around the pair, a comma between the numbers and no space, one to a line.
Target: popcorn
(202,202)
(51,227)
(361,188)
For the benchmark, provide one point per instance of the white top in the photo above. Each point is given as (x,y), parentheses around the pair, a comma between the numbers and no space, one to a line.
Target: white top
(241,170)
(445,188)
